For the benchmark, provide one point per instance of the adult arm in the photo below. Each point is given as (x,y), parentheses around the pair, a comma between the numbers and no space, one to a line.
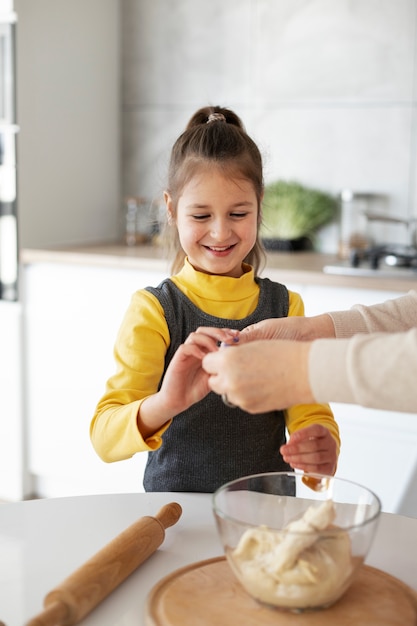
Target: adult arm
(377,370)
(394,315)
(398,314)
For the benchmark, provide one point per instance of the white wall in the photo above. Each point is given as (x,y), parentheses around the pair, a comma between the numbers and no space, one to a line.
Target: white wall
(69,112)
(327,88)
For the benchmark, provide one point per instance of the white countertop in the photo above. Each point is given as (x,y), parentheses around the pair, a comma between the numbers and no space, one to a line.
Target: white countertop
(296,267)
(43,541)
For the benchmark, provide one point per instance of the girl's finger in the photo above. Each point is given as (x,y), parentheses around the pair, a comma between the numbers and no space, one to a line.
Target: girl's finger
(227,335)
(202,340)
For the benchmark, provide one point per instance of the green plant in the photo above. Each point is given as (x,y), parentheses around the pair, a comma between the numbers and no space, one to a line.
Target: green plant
(291,210)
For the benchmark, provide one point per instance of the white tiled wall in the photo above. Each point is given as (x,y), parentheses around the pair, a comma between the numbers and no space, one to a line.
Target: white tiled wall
(327,88)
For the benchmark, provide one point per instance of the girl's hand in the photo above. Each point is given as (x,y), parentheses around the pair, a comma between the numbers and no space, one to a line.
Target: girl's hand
(311,449)
(225,336)
(185,382)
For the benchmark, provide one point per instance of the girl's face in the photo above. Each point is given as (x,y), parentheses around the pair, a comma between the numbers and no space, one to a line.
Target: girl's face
(217,222)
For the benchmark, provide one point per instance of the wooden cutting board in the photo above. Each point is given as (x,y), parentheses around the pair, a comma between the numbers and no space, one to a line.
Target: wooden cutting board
(208,594)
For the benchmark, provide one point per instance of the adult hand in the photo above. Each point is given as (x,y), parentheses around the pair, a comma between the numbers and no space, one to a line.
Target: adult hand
(261,375)
(291,328)
(311,449)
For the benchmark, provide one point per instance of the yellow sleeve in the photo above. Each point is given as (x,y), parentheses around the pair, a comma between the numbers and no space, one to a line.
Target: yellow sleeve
(303,415)
(296,304)
(139,353)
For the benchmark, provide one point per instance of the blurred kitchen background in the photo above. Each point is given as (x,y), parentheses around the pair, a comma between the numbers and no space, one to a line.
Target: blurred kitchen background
(327,88)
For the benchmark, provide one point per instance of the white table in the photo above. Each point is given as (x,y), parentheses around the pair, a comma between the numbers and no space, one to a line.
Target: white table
(43,541)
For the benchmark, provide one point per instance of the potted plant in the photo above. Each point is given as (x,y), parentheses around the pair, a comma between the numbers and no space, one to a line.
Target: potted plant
(291,214)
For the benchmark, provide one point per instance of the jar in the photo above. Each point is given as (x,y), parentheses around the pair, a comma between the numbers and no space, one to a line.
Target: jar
(137,223)
(353,222)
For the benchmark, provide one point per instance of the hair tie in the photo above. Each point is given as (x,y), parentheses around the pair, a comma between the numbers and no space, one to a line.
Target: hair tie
(216,117)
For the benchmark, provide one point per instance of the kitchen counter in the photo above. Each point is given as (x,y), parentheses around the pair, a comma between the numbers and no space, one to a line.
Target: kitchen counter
(73,301)
(299,267)
(43,541)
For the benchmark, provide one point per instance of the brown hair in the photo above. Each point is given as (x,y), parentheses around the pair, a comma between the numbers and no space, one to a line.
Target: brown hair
(214,136)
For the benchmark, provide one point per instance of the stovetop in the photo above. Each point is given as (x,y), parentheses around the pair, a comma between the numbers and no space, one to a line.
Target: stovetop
(391,255)
(384,261)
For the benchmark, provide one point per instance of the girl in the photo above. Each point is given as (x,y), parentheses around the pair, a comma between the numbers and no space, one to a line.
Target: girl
(159,399)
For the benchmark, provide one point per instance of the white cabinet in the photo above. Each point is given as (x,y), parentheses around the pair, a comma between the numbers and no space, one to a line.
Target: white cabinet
(379,450)
(13,478)
(72,314)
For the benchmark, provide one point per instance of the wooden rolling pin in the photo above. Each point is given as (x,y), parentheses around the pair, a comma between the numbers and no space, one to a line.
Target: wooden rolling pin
(78,594)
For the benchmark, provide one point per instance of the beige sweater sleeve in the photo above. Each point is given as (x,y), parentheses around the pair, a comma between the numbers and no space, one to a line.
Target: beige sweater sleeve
(390,317)
(372,368)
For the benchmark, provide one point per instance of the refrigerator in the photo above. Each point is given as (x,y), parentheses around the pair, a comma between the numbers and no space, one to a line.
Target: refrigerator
(8,149)
(13,464)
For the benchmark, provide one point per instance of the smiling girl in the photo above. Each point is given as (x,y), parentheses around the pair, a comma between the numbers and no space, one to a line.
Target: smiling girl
(159,400)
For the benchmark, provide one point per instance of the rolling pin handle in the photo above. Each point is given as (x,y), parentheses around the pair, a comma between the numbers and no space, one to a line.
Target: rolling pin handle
(169,514)
(55,613)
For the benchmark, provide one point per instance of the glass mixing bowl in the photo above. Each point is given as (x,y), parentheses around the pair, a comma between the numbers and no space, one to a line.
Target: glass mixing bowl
(295,541)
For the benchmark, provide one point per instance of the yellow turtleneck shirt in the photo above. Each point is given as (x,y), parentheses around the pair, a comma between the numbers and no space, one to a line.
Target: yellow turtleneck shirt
(140,349)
